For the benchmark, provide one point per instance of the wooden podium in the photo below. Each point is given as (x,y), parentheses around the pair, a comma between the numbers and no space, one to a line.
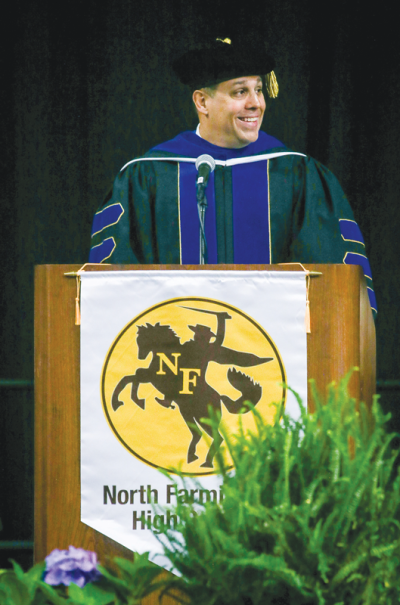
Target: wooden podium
(342,336)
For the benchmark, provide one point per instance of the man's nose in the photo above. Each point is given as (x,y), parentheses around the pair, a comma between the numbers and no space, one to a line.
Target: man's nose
(253,99)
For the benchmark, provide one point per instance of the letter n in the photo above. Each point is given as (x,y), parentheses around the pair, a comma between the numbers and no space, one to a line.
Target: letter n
(107,494)
(172,366)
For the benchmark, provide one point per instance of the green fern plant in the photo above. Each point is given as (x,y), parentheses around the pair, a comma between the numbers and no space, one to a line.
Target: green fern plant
(311,515)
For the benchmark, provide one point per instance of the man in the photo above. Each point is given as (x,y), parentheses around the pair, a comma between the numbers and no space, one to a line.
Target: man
(266,203)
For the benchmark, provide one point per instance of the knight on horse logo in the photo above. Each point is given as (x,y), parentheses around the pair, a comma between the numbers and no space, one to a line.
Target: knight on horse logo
(178,364)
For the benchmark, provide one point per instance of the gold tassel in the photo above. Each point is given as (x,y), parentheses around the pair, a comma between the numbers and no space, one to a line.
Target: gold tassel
(77,274)
(77,301)
(272,85)
(307,322)
(309,274)
(307,318)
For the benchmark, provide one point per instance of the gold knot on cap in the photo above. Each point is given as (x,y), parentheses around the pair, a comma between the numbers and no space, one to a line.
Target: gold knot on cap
(225,40)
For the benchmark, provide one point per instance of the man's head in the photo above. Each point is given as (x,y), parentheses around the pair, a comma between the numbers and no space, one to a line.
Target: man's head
(231,112)
(230,105)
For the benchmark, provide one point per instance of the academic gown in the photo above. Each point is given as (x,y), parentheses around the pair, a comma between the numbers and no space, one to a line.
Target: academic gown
(266,204)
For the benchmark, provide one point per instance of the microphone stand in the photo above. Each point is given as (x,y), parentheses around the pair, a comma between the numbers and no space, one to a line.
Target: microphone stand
(205,164)
(202,207)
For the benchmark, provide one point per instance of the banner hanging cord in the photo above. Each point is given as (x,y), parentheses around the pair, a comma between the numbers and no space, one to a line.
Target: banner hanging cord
(78,274)
(309,274)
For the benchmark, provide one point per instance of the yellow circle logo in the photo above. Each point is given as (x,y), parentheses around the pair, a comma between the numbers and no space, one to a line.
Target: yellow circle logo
(171,363)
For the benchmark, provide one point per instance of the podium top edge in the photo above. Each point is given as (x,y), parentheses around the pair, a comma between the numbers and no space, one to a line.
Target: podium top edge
(313,269)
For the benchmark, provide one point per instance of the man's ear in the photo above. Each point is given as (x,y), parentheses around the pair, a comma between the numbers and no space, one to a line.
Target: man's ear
(200,100)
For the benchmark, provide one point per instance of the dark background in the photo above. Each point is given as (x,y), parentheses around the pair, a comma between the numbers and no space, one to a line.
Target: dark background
(87,86)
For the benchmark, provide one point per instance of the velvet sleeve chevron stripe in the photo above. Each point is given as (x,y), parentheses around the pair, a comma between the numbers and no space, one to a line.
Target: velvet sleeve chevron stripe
(106,218)
(350,231)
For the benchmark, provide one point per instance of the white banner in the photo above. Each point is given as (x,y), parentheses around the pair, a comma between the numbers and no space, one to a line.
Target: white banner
(158,347)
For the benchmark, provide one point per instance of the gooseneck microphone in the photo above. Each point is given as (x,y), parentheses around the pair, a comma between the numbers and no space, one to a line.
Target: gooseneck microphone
(205,164)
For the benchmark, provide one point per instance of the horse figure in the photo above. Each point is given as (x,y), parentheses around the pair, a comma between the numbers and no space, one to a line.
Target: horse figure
(178,372)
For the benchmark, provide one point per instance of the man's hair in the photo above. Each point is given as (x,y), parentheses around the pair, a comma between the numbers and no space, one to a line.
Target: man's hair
(210,90)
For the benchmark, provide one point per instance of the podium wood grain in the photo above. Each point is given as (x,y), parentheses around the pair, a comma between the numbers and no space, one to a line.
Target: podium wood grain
(342,336)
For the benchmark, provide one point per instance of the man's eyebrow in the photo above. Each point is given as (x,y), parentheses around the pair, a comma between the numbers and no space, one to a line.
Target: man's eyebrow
(241,82)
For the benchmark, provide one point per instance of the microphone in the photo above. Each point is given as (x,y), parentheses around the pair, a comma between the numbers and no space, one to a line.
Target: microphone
(205,164)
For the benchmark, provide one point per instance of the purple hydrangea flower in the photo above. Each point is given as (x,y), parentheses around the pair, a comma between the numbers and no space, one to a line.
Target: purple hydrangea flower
(73,565)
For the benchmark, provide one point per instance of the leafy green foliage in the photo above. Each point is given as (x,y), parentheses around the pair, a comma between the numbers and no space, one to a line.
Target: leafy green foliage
(134,580)
(131,582)
(19,588)
(311,515)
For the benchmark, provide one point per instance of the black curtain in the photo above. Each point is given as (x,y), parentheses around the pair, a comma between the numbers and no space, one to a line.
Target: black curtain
(85,87)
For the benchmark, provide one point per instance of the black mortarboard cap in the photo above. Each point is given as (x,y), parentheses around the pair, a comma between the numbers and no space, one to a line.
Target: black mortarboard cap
(220,60)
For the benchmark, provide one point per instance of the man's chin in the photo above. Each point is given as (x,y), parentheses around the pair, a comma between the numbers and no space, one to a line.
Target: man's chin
(241,139)
(249,138)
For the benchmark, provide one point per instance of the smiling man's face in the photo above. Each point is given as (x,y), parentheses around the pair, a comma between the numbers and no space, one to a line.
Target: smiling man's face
(233,114)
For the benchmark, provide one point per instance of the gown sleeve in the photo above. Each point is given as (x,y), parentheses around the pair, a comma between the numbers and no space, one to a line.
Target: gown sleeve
(323,226)
(123,230)
(139,221)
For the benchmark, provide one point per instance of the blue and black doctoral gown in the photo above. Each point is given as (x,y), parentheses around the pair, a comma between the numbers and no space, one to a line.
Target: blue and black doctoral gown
(266,204)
